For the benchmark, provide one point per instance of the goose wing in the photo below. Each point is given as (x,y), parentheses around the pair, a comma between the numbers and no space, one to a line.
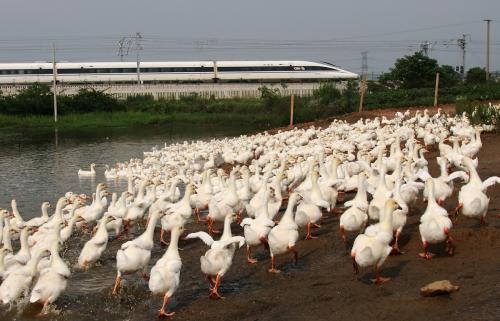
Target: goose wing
(205,237)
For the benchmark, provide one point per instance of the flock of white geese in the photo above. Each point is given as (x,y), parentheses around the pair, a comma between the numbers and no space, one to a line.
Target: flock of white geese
(305,170)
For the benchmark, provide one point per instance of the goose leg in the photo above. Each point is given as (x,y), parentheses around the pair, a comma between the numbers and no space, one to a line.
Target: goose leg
(162,239)
(344,236)
(162,312)
(450,248)
(211,281)
(264,242)
(117,284)
(378,279)
(395,246)
(145,274)
(273,268)
(354,264)
(425,254)
(197,213)
(214,293)
(210,225)
(308,235)
(249,256)
(454,216)
(44,309)
(295,254)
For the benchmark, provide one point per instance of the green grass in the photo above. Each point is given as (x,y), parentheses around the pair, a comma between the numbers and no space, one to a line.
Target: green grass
(129,119)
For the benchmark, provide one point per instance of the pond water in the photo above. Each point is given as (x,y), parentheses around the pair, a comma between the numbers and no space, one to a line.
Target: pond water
(41,165)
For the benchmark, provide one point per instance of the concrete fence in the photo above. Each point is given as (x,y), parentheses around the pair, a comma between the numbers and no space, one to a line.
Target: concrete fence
(175,91)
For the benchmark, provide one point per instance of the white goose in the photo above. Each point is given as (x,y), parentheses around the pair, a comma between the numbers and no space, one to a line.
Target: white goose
(95,211)
(38,221)
(66,231)
(3,253)
(379,197)
(17,222)
(257,229)
(89,173)
(22,257)
(354,219)
(443,185)
(93,249)
(472,200)
(308,214)
(134,255)
(19,281)
(434,224)
(282,237)
(52,281)
(177,214)
(219,258)
(165,274)
(374,250)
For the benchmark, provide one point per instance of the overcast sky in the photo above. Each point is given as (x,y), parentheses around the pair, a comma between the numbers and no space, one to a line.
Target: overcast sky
(318,30)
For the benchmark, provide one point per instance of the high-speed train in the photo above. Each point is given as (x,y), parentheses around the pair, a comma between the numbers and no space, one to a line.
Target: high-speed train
(178,71)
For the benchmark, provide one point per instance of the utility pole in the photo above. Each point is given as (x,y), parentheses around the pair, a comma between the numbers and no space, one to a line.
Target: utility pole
(364,62)
(462,43)
(138,47)
(54,73)
(436,90)
(487,48)
(362,89)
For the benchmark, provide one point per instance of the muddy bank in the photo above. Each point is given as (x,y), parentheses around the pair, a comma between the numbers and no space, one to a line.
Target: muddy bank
(321,287)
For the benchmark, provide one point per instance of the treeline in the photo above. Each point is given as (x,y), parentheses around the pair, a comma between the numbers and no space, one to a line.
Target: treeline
(327,101)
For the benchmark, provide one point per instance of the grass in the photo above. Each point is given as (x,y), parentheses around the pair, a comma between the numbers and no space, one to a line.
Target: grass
(129,119)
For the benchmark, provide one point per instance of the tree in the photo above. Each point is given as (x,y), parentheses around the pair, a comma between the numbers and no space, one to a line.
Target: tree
(476,75)
(448,77)
(415,71)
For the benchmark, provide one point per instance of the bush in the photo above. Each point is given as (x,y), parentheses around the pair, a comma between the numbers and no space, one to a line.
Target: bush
(89,100)
(476,75)
(35,100)
(478,113)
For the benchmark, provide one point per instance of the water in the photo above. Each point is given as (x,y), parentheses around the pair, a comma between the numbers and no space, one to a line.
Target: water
(41,165)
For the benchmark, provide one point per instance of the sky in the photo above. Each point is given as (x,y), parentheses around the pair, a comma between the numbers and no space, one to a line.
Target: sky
(316,30)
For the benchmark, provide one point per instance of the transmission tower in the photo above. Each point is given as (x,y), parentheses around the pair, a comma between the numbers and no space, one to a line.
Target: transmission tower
(124,45)
(425,47)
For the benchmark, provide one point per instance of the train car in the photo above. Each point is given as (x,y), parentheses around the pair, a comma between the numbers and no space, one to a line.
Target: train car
(178,71)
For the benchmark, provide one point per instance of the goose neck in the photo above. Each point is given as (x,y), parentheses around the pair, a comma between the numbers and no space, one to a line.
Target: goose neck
(173,247)
(45,212)
(227,233)
(150,229)
(288,215)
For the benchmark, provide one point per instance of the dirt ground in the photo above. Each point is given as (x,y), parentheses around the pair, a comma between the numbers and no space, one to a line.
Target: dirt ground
(323,286)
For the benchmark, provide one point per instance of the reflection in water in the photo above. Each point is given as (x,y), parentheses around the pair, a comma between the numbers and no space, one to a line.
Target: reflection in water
(41,165)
